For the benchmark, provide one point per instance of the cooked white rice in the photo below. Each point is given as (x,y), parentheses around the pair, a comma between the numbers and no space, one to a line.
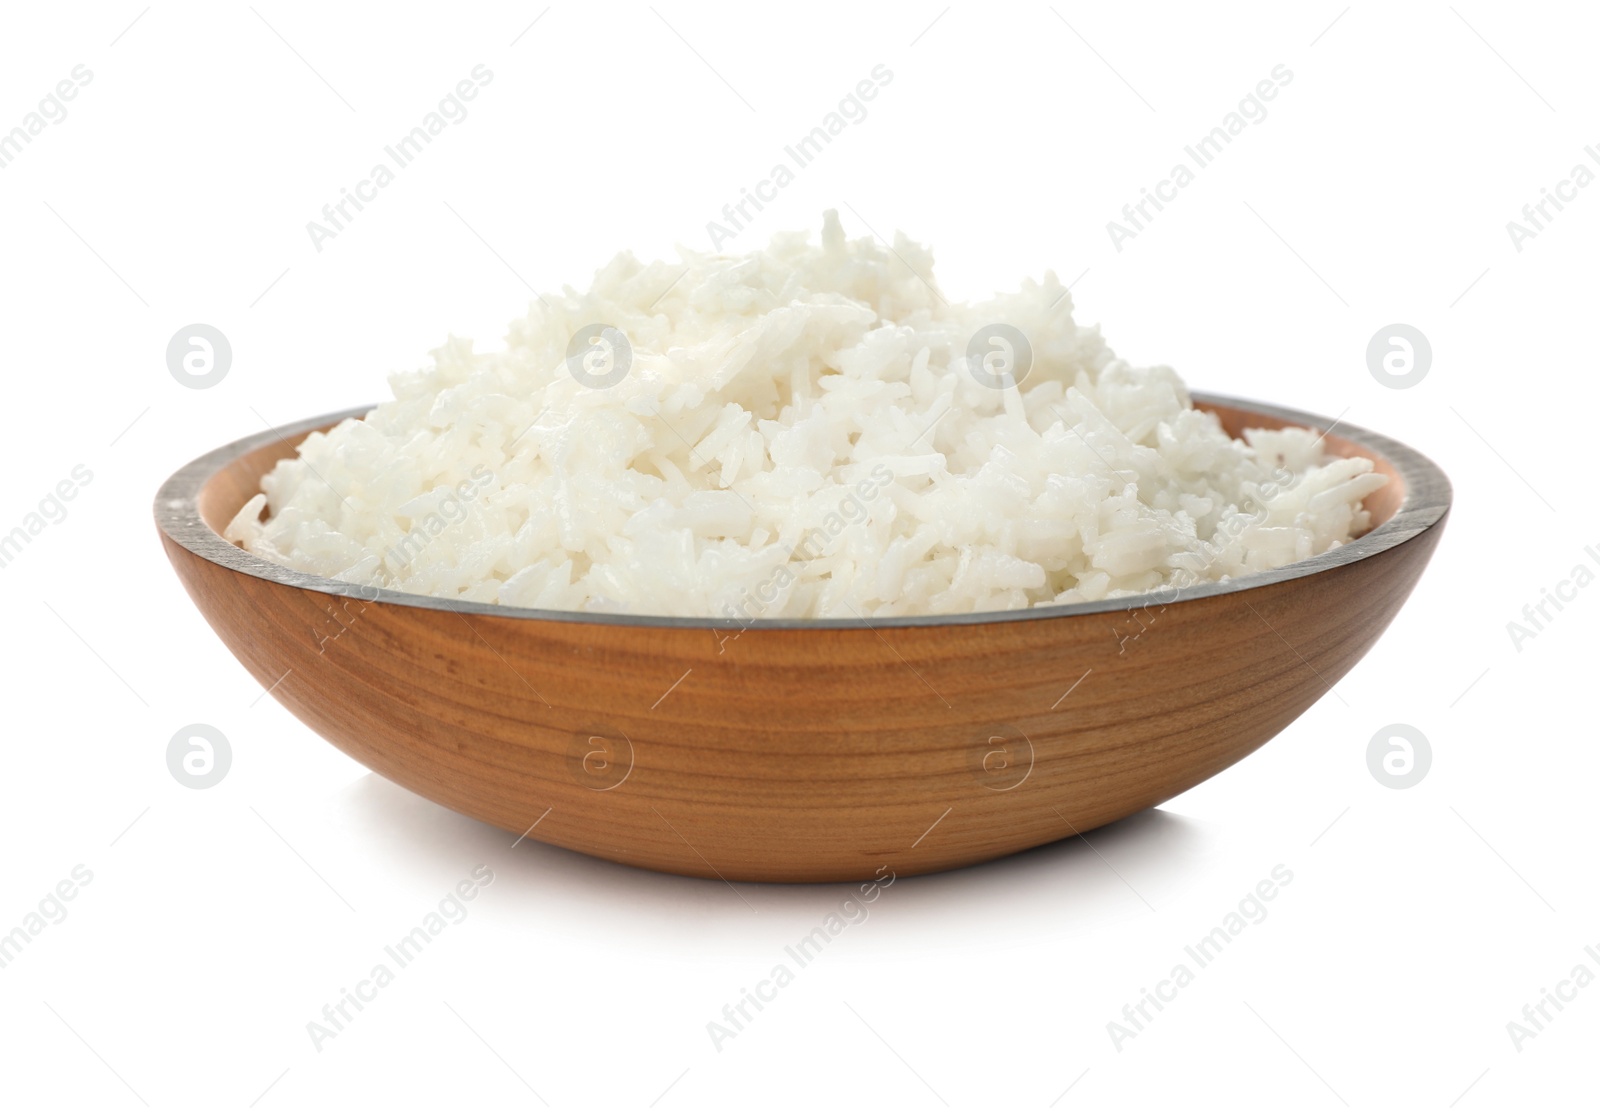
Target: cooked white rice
(799,433)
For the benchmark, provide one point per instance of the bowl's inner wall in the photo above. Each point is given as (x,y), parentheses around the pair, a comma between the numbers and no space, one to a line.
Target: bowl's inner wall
(1381,504)
(222,495)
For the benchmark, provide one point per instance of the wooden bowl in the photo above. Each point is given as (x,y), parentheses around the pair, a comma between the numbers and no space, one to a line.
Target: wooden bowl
(803,750)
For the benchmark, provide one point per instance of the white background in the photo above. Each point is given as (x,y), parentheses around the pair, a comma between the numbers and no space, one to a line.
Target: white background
(1376,191)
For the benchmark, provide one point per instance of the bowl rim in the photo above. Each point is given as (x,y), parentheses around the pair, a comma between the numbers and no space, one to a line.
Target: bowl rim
(1425,505)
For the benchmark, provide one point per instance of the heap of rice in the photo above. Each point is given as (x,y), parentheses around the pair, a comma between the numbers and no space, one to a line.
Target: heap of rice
(799,432)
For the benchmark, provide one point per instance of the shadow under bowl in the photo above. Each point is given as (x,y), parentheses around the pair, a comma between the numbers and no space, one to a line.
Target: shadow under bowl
(803,750)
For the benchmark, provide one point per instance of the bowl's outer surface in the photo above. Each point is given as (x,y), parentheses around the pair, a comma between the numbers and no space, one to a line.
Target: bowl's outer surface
(804,751)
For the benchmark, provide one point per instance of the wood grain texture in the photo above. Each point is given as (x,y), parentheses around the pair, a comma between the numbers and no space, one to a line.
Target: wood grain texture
(805,753)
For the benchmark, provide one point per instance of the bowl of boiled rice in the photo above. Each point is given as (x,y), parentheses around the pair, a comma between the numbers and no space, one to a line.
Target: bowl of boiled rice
(783,567)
